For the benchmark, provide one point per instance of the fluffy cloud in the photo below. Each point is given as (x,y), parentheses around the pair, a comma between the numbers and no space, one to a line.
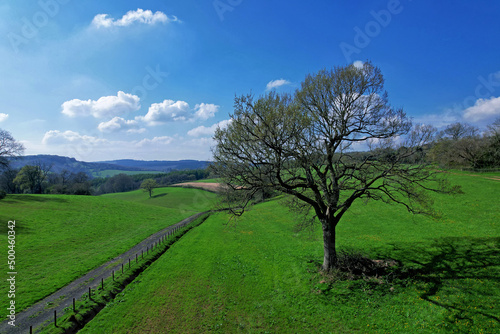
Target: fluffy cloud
(119,124)
(3,117)
(208,131)
(104,107)
(205,111)
(277,83)
(156,141)
(483,109)
(131,17)
(166,111)
(171,111)
(56,137)
(358,64)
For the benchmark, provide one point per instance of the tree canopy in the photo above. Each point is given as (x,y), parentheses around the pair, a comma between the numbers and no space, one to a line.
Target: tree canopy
(302,144)
(149,185)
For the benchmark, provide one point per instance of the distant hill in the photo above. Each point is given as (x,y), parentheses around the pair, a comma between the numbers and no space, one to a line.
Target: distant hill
(159,165)
(60,163)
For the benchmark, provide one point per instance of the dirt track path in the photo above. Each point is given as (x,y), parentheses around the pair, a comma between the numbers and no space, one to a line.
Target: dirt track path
(41,312)
(213,187)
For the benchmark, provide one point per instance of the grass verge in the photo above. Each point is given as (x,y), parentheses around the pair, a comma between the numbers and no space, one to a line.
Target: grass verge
(91,304)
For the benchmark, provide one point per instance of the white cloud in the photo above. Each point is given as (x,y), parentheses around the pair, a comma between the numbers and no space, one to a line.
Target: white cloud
(205,111)
(277,83)
(56,137)
(156,141)
(119,124)
(171,111)
(94,148)
(141,130)
(131,17)
(104,107)
(166,111)
(3,117)
(483,109)
(358,64)
(208,131)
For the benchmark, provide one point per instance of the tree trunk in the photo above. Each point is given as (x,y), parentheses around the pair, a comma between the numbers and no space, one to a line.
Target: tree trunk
(330,258)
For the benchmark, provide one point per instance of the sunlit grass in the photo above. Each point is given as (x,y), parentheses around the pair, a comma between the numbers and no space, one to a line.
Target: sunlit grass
(60,237)
(258,275)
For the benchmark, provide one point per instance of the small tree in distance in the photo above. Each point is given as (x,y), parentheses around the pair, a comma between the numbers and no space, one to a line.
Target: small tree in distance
(301,145)
(148,185)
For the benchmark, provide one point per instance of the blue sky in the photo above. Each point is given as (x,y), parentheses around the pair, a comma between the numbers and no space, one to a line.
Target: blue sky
(102,80)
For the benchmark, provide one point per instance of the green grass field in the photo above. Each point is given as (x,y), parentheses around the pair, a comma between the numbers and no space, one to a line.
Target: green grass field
(258,275)
(209,180)
(184,199)
(60,237)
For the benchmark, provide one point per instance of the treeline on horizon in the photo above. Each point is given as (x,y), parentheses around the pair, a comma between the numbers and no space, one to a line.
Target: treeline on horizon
(38,179)
(458,146)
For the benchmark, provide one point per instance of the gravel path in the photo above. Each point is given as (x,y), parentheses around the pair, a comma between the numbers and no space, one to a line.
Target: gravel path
(59,300)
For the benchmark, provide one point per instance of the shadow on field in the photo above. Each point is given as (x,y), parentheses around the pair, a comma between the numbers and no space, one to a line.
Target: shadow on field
(19,227)
(33,198)
(159,195)
(466,268)
(460,275)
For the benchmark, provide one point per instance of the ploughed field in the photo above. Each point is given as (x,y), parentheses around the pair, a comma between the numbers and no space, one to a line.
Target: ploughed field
(259,274)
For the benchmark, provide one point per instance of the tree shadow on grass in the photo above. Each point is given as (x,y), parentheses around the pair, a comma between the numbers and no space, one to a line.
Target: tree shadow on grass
(460,275)
(159,195)
(466,268)
(11,199)
(19,226)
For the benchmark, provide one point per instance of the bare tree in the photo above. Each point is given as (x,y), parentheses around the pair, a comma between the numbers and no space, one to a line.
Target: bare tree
(302,145)
(460,130)
(9,148)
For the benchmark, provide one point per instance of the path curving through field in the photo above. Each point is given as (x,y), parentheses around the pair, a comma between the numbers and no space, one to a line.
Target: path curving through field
(40,312)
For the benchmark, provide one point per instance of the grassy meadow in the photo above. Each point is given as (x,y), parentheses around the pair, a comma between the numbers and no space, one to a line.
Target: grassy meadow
(61,237)
(258,274)
(184,199)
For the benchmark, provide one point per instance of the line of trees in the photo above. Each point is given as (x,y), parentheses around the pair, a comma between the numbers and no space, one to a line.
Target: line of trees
(462,145)
(39,179)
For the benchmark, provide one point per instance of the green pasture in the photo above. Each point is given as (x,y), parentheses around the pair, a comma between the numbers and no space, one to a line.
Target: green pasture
(258,274)
(61,237)
(209,180)
(184,199)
